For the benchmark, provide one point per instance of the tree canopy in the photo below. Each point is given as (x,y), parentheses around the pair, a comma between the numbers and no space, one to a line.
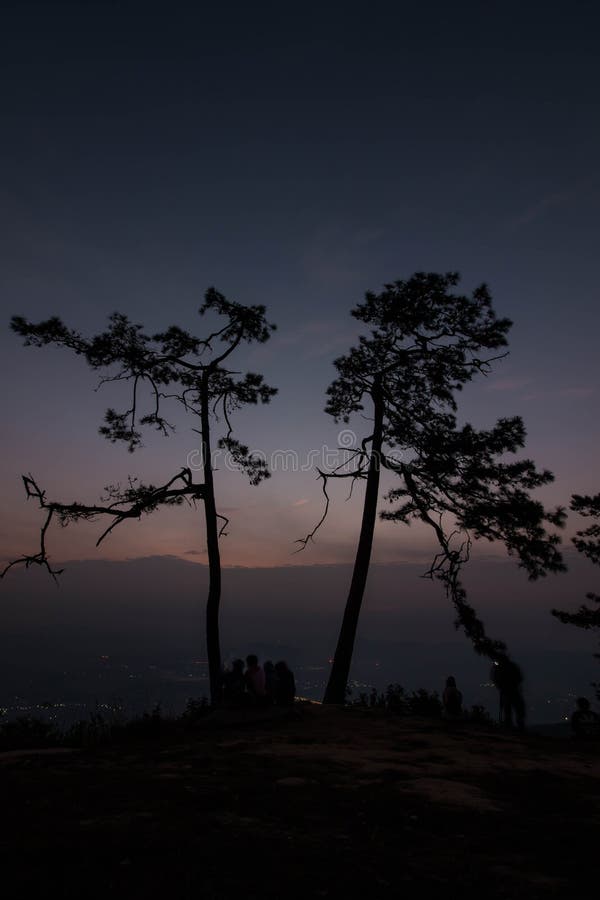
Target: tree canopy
(587,542)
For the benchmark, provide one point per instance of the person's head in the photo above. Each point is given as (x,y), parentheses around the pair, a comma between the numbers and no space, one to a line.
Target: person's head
(251,660)
(268,666)
(450,681)
(281,667)
(583,704)
(237,665)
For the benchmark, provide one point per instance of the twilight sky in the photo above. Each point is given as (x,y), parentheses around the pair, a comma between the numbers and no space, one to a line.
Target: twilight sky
(293,155)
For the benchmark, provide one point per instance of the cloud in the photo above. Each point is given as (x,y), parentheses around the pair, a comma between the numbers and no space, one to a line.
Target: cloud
(335,255)
(537,210)
(318,338)
(570,393)
(508,384)
(302,502)
(551,201)
(576,392)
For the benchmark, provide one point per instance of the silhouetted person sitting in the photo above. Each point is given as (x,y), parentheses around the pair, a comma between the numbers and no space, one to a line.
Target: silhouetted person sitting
(270,680)
(452,699)
(255,680)
(234,685)
(285,685)
(508,678)
(584,721)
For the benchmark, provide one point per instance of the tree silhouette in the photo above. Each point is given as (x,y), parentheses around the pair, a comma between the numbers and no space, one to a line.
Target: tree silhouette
(179,366)
(425,344)
(587,541)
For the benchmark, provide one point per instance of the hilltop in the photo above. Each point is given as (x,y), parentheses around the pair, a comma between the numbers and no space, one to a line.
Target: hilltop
(321,802)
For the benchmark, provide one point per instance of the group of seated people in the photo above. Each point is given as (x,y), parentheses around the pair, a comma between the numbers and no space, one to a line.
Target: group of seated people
(256,685)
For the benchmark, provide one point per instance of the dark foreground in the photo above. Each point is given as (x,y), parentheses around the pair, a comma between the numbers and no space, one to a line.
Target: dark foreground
(330,803)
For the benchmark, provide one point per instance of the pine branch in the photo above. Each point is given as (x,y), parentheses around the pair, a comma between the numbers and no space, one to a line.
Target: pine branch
(128,503)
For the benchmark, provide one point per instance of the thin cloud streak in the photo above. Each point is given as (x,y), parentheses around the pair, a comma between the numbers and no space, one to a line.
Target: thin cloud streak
(553,201)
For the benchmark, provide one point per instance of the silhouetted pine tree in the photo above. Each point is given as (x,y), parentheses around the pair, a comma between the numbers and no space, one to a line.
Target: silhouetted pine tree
(175,365)
(425,344)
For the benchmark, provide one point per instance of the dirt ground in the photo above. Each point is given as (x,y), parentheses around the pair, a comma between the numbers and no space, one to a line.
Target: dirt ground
(324,803)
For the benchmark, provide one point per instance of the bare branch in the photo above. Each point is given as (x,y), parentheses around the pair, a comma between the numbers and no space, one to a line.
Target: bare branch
(310,536)
(355,475)
(214,363)
(226,417)
(130,503)
(222,532)
(446,567)
(40,558)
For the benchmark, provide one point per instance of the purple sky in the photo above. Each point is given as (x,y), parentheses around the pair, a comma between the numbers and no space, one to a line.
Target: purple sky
(293,156)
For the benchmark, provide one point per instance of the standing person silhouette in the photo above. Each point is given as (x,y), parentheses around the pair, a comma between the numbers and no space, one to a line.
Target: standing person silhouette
(255,679)
(584,721)
(508,678)
(452,699)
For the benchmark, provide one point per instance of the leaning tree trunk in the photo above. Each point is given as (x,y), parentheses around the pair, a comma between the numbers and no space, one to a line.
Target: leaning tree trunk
(213,645)
(340,670)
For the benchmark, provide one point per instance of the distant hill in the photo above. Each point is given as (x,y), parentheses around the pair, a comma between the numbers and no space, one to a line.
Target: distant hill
(150,611)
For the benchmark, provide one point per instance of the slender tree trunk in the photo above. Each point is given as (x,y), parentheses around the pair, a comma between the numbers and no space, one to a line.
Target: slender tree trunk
(213,644)
(338,678)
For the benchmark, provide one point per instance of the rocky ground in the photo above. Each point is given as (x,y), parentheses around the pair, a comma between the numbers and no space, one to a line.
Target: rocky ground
(321,803)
